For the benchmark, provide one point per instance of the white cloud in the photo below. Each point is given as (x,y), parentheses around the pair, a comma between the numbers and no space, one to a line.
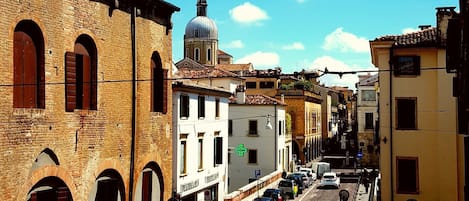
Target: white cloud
(248,13)
(261,59)
(294,46)
(235,44)
(334,65)
(345,42)
(409,30)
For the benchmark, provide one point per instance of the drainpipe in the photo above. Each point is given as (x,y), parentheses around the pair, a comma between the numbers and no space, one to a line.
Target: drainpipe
(134,92)
(391,68)
(276,135)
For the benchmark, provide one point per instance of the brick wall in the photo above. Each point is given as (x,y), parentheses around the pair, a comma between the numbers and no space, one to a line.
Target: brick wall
(85,142)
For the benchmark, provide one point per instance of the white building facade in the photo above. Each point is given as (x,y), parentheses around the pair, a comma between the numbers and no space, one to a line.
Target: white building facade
(256,139)
(200,145)
(367,116)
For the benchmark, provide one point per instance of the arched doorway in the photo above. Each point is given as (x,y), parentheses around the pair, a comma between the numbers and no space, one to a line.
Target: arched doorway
(50,189)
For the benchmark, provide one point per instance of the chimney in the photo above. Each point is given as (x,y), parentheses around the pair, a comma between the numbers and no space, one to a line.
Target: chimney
(443,14)
(240,94)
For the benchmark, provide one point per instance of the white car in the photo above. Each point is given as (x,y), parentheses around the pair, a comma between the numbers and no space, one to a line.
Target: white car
(312,175)
(329,179)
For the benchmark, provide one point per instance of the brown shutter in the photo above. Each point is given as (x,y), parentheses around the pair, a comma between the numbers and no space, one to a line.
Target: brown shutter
(86,93)
(33,197)
(165,91)
(70,82)
(30,73)
(62,194)
(18,70)
(146,186)
(94,85)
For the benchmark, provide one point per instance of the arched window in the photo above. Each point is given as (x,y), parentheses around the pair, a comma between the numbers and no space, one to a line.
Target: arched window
(150,184)
(108,186)
(28,62)
(209,54)
(81,75)
(159,85)
(197,54)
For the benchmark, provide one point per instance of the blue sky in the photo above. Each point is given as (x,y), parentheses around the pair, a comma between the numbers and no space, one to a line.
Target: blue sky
(306,34)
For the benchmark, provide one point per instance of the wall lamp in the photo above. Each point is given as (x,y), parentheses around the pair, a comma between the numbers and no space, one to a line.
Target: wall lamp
(268,125)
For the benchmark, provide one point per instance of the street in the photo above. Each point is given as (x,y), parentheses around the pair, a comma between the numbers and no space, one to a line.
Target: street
(329,194)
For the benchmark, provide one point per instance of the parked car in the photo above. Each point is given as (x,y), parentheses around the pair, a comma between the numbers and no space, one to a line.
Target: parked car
(274,193)
(288,188)
(298,180)
(329,179)
(304,177)
(263,199)
(311,174)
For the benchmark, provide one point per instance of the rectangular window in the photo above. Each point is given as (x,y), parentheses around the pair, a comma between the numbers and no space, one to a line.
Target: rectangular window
(407,175)
(266,85)
(280,128)
(218,150)
(183,155)
(184,106)
(314,123)
(230,127)
(209,54)
(201,153)
(252,156)
(368,120)
(251,85)
(406,113)
(368,95)
(252,127)
(217,107)
(201,108)
(406,65)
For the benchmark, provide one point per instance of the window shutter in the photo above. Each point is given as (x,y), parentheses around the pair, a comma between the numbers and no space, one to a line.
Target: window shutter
(62,194)
(165,91)
(86,96)
(70,82)
(146,186)
(30,73)
(18,70)
(94,85)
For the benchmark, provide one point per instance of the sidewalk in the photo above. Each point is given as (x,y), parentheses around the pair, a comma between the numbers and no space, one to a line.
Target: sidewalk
(261,191)
(362,195)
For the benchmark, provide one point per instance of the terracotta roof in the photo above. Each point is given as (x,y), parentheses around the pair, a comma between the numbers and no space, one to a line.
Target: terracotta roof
(426,37)
(188,68)
(220,52)
(259,99)
(235,67)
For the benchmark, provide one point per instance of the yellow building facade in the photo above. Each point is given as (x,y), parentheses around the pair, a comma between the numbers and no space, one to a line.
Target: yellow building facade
(421,154)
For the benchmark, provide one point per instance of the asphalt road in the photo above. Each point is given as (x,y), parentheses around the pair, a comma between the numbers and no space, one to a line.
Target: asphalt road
(329,194)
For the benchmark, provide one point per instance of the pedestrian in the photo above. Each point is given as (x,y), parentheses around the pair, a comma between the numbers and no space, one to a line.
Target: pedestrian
(366,183)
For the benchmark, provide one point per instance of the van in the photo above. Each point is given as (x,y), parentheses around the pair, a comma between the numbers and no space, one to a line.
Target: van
(288,188)
(320,168)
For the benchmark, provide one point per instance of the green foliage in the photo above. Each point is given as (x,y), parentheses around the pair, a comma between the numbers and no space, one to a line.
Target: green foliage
(303,84)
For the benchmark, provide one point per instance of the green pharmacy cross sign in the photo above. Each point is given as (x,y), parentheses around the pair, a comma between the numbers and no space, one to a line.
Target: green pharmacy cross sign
(241,150)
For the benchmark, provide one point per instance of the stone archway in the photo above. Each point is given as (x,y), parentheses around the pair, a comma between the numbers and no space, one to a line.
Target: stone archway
(50,188)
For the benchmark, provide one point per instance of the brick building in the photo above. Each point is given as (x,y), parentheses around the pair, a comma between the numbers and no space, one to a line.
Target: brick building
(85,110)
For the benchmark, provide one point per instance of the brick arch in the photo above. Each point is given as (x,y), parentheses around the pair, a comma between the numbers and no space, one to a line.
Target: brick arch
(47,171)
(154,159)
(36,20)
(72,40)
(113,164)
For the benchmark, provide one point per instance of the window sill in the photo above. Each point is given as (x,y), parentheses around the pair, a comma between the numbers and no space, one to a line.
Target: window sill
(253,135)
(183,175)
(200,170)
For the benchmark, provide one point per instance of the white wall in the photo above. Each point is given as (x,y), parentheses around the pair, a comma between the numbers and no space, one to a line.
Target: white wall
(267,154)
(192,126)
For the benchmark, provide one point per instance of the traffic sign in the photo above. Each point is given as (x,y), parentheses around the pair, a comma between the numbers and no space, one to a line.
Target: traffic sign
(257,173)
(359,155)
